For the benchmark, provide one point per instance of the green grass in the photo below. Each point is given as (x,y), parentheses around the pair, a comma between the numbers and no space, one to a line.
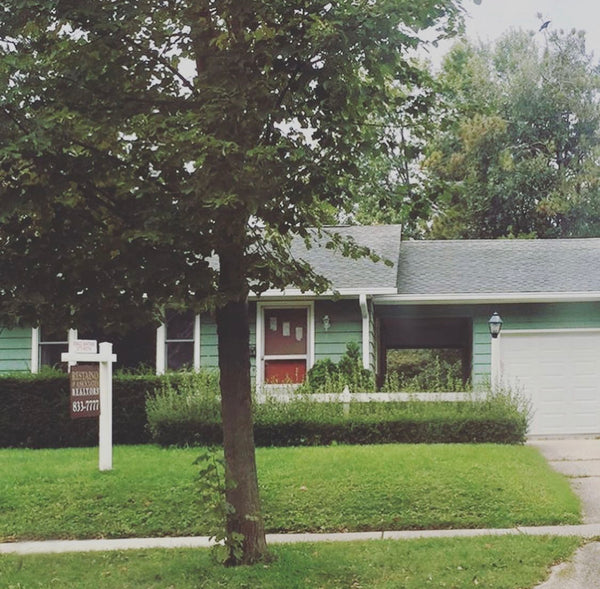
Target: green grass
(499,562)
(153,491)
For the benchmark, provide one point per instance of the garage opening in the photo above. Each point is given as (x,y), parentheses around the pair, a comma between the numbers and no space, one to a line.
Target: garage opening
(420,370)
(423,355)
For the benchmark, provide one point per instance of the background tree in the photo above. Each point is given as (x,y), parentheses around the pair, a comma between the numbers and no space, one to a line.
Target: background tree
(518,149)
(142,139)
(389,186)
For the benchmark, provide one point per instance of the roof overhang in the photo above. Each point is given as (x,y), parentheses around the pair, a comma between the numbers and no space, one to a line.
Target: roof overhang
(344,293)
(483,298)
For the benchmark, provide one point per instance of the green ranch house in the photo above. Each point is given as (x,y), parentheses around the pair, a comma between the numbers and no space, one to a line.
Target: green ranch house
(437,294)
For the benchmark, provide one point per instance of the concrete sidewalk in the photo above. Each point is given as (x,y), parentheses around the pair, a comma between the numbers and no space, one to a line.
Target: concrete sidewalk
(579,460)
(58,546)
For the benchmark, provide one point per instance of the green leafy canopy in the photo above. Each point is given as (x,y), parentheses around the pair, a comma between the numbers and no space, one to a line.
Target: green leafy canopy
(138,139)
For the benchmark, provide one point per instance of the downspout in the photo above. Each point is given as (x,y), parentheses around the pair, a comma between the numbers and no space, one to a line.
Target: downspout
(366,331)
(35,350)
(161,340)
(197,343)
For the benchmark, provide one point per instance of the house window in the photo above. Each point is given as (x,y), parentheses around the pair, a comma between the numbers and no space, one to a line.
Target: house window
(179,340)
(47,347)
(51,345)
(286,343)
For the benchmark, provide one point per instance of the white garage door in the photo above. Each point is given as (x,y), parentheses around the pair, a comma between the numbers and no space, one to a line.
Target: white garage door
(559,370)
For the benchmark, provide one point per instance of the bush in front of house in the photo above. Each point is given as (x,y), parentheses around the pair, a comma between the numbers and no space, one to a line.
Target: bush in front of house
(35,411)
(327,376)
(175,411)
(191,416)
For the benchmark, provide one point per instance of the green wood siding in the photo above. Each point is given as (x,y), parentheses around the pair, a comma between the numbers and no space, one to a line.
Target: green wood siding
(209,350)
(15,350)
(346,326)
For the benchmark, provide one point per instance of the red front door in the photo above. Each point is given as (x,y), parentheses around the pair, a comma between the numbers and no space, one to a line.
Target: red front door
(286,345)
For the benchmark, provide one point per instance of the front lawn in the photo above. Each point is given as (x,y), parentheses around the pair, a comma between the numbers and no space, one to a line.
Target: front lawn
(153,491)
(508,562)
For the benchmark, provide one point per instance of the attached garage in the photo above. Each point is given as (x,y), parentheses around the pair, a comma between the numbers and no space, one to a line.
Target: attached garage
(559,370)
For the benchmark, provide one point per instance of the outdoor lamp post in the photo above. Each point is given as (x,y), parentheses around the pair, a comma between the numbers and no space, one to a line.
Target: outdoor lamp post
(495,325)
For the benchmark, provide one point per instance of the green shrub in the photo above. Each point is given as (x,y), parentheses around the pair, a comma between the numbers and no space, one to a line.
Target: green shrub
(35,411)
(327,377)
(178,406)
(424,371)
(192,418)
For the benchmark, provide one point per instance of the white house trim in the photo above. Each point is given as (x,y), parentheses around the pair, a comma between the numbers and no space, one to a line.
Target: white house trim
(35,347)
(35,350)
(260,342)
(556,330)
(482,298)
(161,344)
(339,292)
(197,343)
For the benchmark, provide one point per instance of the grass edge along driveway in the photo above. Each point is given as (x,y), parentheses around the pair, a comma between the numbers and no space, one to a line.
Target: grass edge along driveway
(153,491)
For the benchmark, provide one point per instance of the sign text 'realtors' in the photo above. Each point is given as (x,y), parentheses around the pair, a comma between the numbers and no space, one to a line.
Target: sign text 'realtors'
(85,390)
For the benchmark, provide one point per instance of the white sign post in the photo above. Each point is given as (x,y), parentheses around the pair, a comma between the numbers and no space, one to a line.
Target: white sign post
(85,351)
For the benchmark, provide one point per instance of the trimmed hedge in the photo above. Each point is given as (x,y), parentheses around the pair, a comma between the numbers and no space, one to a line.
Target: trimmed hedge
(35,411)
(35,414)
(452,429)
(309,425)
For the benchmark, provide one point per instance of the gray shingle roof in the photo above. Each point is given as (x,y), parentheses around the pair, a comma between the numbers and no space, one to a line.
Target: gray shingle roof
(499,266)
(363,273)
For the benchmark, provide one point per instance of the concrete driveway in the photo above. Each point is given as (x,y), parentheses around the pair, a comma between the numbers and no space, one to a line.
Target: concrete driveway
(579,460)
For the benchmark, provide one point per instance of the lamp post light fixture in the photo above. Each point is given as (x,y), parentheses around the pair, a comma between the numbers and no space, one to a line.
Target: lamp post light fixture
(495,325)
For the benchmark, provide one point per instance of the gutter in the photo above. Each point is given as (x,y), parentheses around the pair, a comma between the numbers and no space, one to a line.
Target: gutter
(364,310)
(483,298)
(296,293)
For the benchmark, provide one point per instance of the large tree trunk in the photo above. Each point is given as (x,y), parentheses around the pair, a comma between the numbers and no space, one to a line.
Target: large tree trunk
(236,408)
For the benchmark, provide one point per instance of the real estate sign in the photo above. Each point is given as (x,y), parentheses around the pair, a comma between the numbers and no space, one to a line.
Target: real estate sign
(85,390)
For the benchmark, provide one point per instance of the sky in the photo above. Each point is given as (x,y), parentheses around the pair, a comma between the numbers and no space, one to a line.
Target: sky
(489,19)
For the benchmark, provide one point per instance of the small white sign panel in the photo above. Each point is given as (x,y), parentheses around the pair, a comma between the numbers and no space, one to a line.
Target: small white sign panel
(84,346)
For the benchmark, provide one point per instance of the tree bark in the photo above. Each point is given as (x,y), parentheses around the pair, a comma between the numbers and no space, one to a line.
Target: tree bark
(245,520)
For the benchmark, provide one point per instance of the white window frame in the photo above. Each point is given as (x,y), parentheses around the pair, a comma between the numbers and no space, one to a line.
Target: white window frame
(261,307)
(162,341)
(37,342)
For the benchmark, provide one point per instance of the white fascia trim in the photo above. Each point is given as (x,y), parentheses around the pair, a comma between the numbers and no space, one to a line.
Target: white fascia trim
(533,331)
(482,298)
(340,292)
(364,311)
